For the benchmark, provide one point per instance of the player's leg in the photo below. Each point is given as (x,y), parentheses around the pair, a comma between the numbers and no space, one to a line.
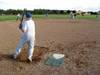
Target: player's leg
(30,49)
(20,46)
(16,18)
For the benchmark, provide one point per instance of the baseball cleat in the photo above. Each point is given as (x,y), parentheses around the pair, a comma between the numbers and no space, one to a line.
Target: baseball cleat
(29,59)
(15,56)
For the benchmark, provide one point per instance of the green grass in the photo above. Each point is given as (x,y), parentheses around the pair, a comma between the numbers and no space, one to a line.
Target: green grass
(13,17)
(7,17)
(53,16)
(91,17)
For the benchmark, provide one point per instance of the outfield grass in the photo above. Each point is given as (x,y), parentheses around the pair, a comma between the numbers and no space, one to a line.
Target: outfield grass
(13,17)
(91,17)
(7,17)
(51,16)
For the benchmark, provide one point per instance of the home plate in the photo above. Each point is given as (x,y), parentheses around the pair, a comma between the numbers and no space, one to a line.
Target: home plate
(55,60)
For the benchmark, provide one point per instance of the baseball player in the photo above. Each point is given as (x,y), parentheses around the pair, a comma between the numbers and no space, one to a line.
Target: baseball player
(72,15)
(18,17)
(28,36)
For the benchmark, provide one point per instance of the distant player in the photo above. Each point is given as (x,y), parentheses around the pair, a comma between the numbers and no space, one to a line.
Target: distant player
(18,17)
(72,16)
(46,14)
(97,15)
(28,36)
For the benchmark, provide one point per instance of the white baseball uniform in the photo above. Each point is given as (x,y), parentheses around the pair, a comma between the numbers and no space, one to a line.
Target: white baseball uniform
(28,37)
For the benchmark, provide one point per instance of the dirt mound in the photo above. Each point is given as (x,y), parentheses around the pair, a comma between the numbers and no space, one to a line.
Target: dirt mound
(37,55)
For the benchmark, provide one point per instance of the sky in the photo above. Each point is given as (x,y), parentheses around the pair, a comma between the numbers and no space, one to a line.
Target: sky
(83,5)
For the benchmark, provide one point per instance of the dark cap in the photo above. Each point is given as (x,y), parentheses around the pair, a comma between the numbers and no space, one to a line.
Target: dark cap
(28,15)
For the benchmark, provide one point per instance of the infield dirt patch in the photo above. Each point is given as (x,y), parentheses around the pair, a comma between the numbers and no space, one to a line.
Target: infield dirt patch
(79,40)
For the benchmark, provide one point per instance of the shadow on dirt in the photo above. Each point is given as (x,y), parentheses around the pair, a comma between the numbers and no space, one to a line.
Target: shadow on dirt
(37,56)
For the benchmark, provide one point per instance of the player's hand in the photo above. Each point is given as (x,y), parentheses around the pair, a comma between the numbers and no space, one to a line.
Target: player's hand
(20,26)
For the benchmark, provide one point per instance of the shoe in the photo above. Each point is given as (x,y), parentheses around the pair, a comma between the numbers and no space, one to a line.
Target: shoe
(15,56)
(29,59)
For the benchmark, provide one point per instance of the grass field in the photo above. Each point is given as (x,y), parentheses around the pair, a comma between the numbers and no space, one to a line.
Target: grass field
(13,17)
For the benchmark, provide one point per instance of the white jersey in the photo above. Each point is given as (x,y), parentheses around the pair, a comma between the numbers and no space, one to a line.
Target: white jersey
(28,37)
(28,27)
(18,15)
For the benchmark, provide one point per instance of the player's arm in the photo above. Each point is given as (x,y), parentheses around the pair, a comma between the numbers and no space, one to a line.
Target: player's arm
(24,27)
(20,25)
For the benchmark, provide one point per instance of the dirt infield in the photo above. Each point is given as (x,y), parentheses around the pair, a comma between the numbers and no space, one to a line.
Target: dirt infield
(77,39)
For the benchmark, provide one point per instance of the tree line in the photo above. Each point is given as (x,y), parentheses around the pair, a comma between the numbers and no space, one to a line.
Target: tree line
(40,11)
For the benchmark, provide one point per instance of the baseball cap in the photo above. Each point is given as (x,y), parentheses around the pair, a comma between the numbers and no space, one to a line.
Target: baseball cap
(28,15)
